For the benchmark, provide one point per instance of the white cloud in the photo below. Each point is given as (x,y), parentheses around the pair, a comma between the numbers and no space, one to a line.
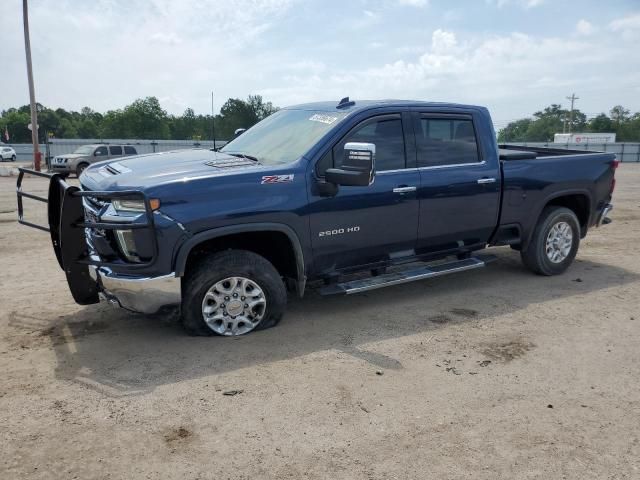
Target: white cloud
(584,27)
(629,26)
(442,41)
(496,70)
(522,3)
(414,3)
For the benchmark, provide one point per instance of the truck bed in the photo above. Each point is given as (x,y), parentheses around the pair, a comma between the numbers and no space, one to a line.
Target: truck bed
(519,152)
(532,181)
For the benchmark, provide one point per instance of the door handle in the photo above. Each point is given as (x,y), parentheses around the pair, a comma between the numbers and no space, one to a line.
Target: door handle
(404,189)
(482,181)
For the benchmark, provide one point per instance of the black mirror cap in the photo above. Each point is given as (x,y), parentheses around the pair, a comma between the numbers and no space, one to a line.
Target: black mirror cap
(348,178)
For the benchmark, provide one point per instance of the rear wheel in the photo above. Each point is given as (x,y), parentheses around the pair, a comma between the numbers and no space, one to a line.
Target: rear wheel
(554,243)
(13,158)
(81,168)
(232,293)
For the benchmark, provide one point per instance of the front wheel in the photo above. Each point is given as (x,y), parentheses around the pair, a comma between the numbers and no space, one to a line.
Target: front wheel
(13,158)
(232,293)
(554,243)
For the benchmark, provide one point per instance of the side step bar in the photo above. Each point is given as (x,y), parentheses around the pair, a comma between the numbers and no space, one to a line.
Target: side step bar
(410,275)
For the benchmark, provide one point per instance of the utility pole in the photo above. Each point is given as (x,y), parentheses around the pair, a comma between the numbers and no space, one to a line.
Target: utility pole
(573,98)
(213,123)
(32,93)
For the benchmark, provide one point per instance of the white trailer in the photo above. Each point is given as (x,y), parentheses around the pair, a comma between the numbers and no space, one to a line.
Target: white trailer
(584,138)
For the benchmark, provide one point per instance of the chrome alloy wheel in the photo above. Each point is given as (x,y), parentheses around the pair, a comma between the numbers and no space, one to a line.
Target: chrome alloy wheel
(559,242)
(234,306)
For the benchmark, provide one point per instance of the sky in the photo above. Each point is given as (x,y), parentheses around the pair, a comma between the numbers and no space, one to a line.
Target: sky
(513,56)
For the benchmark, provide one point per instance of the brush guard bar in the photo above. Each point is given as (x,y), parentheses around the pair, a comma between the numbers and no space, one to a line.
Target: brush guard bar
(67,223)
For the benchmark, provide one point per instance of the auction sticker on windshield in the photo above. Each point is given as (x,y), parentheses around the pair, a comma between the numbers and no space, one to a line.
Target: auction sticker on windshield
(328,119)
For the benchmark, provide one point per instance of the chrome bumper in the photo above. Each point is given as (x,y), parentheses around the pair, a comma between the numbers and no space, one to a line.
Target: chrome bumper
(143,295)
(603,216)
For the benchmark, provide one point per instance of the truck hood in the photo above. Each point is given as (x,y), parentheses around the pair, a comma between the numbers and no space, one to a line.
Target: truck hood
(144,171)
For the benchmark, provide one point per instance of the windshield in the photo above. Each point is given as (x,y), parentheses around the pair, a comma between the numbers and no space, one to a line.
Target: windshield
(284,136)
(86,150)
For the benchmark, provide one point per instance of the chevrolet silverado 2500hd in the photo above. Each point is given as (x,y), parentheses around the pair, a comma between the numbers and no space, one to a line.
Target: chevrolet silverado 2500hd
(405,190)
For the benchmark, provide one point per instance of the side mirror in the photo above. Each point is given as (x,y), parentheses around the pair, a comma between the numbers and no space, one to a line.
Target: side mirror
(239,131)
(97,153)
(358,166)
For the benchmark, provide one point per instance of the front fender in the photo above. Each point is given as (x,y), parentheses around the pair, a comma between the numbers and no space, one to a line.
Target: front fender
(185,248)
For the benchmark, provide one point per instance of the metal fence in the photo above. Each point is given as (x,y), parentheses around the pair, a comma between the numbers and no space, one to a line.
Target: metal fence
(625,152)
(24,151)
(64,146)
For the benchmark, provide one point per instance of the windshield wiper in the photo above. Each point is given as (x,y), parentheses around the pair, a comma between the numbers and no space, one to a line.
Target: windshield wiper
(243,155)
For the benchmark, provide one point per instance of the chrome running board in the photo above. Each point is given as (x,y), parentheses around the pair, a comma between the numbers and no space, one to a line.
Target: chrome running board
(409,275)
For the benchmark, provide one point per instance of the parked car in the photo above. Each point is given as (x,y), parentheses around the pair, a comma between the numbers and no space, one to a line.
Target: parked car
(7,153)
(312,195)
(85,155)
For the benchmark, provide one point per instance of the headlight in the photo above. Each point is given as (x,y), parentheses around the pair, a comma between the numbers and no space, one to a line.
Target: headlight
(128,205)
(136,206)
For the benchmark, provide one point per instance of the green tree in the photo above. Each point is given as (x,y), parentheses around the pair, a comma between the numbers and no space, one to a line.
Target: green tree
(515,131)
(600,124)
(145,118)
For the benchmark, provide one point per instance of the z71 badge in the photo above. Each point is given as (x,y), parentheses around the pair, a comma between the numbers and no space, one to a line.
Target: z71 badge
(277,178)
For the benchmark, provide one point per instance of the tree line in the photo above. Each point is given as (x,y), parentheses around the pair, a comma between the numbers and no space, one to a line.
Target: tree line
(142,119)
(554,119)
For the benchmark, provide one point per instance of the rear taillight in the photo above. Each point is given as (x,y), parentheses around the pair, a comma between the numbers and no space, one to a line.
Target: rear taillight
(614,165)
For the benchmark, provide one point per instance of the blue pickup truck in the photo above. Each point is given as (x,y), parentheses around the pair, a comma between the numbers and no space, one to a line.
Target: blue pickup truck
(342,197)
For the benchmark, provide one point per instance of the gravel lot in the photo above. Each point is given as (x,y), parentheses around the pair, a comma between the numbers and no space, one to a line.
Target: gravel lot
(489,374)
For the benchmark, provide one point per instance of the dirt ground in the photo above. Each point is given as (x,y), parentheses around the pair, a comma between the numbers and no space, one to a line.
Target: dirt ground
(489,374)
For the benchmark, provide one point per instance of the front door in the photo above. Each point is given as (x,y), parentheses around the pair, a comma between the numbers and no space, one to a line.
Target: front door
(364,225)
(460,189)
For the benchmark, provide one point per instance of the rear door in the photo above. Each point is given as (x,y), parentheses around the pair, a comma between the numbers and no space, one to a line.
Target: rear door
(459,191)
(364,225)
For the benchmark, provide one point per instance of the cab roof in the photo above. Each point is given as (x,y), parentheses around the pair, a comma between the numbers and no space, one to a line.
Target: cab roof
(359,105)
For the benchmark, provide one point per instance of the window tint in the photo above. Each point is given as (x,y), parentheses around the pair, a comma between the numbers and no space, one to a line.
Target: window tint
(443,141)
(116,150)
(101,151)
(387,136)
(130,150)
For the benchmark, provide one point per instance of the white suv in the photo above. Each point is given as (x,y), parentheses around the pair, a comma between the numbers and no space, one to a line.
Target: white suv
(7,153)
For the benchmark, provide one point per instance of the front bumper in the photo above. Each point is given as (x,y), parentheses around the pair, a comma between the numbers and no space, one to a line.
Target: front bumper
(61,168)
(142,295)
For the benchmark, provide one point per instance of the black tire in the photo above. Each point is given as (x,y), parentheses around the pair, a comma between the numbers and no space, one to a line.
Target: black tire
(80,168)
(535,257)
(13,158)
(218,266)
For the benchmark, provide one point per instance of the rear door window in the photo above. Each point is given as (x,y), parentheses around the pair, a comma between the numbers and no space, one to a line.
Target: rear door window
(129,150)
(115,150)
(446,141)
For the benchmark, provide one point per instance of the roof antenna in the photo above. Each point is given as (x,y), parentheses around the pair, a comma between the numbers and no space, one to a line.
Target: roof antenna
(345,102)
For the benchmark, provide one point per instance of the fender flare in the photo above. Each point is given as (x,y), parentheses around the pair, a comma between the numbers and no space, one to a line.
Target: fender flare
(180,261)
(553,196)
